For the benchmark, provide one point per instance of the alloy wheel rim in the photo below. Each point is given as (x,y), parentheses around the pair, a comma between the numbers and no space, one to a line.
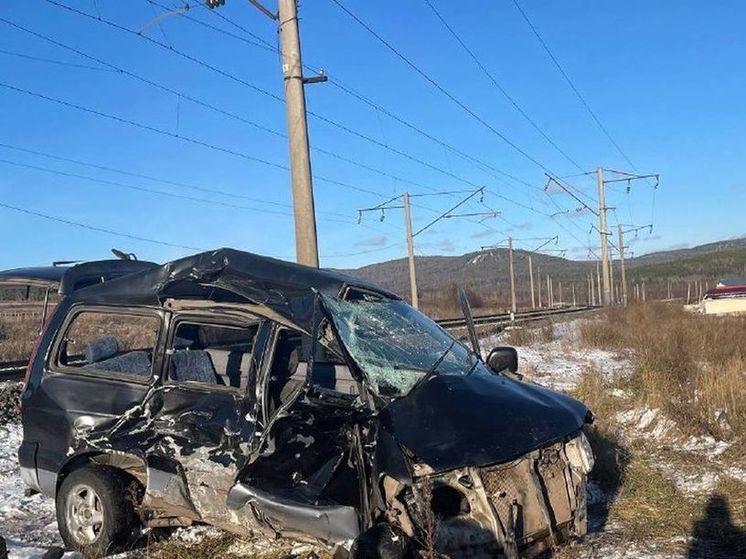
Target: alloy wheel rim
(84,514)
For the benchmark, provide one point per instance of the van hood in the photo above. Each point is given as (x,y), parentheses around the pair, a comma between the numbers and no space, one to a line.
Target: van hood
(452,421)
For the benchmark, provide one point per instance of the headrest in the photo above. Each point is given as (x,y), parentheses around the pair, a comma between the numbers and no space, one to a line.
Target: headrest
(182,343)
(101,348)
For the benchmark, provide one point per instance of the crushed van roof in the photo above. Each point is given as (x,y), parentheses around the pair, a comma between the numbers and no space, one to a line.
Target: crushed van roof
(284,287)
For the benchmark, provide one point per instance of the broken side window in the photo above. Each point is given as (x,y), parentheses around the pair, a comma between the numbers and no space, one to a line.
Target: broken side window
(289,369)
(395,345)
(212,354)
(109,341)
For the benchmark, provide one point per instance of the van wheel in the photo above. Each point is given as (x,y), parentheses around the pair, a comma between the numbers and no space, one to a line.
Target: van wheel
(95,513)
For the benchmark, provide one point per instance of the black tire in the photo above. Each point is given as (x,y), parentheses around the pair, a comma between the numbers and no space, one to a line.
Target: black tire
(87,495)
(383,541)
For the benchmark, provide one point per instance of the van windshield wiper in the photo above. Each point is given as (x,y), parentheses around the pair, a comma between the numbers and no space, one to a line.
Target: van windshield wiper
(434,367)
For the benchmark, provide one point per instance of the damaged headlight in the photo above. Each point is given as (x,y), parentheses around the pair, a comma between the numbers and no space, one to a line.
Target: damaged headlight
(580,454)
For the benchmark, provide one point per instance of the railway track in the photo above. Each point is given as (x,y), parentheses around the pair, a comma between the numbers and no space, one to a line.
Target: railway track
(12,370)
(505,318)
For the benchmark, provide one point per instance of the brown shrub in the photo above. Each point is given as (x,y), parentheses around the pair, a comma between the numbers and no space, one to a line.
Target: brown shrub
(519,336)
(524,335)
(693,367)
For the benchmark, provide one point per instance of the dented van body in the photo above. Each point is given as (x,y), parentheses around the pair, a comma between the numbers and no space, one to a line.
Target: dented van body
(258,395)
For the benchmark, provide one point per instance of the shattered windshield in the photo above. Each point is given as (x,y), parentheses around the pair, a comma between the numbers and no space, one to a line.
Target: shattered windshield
(395,345)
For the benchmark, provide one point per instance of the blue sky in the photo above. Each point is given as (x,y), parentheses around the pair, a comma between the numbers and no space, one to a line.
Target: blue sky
(665,78)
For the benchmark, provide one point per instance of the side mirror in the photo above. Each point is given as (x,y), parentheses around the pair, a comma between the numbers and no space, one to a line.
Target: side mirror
(503,358)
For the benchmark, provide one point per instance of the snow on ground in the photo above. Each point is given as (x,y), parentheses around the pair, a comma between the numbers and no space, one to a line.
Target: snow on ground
(560,364)
(26,522)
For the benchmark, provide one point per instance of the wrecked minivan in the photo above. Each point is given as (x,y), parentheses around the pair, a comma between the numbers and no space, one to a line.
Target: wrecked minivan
(257,395)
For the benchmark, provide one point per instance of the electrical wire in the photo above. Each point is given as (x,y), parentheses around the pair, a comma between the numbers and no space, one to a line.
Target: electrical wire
(498,86)
(51,61)
(260,90)
(96,228)
(205,104)
(440,88)
(182,137)
(572,85)
(159,192)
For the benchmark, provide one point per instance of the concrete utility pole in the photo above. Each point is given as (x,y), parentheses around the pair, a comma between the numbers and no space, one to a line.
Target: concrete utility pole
(550,297)
(621,262)
(410,252)
(598,284)
(590,290)
(306,246)
(604,240)
(531,281)
(538,281)
(512,279)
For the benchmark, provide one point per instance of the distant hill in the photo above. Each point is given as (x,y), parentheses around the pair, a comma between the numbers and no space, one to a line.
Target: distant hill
(683,253)
(486,273)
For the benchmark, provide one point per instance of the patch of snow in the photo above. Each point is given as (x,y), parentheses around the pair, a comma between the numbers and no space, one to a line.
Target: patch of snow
(27,522)
(696,483)
(642,419)
(560,364)
(647,417)
(619,393)
(21,550)
(737,473)
(705,445)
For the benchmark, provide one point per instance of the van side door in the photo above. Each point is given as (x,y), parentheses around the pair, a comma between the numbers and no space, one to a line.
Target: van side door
(207,421)
(102,363)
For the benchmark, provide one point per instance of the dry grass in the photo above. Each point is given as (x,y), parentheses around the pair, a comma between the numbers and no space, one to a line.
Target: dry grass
(225,546)
(692,367)
(527,335)
(611,457)
(17,338)
(644,504)
(649,505)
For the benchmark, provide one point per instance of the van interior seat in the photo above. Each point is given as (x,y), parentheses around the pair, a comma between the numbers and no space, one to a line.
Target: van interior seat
(101,354)
(193,365)
(100,348)
(231,365)
(133,363)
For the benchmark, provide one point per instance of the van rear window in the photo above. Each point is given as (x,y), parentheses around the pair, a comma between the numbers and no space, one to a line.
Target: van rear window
(110,342)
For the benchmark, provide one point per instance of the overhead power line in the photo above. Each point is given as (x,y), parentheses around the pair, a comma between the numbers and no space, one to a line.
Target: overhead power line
(262,91)
(349,90)
(440,88)
(131,236)
(157,192)
(177,136)
(205,104)
(153,178)
(572,85)
(499,87)
(96,228)
(52,61)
